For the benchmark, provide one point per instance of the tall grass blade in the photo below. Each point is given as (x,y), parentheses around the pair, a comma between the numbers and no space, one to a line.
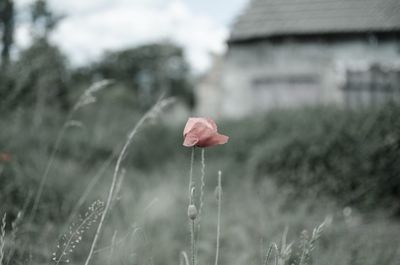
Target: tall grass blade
(160,105)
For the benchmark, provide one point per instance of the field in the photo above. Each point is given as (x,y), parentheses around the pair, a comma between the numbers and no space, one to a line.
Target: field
(263,200)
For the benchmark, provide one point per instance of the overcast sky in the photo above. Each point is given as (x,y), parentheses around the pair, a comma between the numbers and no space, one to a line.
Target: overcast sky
(93,26)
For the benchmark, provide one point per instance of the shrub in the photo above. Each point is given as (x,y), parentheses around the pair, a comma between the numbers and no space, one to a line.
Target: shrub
(350,155)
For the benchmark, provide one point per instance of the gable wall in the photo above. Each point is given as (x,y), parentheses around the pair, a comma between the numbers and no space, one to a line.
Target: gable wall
(267,74)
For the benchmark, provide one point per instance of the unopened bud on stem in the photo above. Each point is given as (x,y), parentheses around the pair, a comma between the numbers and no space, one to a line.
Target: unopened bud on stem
(192,212)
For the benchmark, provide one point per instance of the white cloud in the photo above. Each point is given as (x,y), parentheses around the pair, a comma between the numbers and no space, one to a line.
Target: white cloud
(94,26)
(22,36)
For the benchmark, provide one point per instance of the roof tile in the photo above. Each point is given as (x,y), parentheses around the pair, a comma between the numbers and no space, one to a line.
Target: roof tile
(266,18)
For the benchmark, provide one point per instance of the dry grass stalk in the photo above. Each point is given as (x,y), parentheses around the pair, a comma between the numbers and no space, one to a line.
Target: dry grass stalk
(219,198)
(203,184)
(191,183)
(184,260)
(86,98)
(308,244)
(15,225)
(160,105)
(2,237)
(113,244)
(73,237)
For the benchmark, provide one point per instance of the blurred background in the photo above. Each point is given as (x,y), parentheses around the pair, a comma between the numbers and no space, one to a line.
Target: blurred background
(307,91)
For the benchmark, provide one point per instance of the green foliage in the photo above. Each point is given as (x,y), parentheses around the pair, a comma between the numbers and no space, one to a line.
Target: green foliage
(43,20)
(7,14)
(352,156)
(39,77)
(148,71)
(149,211)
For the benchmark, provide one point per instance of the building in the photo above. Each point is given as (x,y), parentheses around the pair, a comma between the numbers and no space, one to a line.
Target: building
(209,92)
(290,53)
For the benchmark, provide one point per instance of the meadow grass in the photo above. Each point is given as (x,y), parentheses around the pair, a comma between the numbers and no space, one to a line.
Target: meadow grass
(146,219)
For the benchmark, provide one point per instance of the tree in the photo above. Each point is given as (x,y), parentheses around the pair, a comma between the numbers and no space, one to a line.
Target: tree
(149,70)
(39,77)
(43,20)
(7,25)
(42,76)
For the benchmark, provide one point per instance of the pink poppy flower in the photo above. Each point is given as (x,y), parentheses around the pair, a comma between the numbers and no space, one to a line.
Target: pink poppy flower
(202,132)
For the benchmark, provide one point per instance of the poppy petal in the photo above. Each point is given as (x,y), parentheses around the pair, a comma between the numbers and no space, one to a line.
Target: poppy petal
(193,121)
(202,132)
(212,124)
(190,140)
(214,140)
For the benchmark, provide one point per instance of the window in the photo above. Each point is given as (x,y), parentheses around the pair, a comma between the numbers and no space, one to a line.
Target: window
(372,86)
(285,91)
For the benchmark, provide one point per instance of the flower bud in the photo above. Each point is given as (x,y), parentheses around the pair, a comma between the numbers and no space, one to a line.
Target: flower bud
(192,211)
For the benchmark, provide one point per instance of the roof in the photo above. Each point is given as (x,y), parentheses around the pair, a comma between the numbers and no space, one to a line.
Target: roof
(268,18)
